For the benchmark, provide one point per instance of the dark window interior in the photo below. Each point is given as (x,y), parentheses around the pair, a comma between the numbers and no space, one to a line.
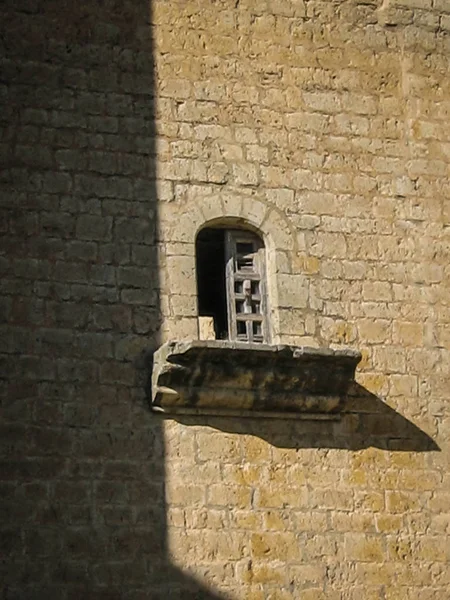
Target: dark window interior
(211,283)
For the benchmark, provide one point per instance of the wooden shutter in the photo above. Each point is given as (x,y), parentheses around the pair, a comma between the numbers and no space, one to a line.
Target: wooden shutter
(246,289)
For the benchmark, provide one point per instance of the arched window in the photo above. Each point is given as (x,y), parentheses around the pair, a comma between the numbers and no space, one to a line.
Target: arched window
(231,285)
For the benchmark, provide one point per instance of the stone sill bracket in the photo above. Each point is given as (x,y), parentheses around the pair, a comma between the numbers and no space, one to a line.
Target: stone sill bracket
(238,379)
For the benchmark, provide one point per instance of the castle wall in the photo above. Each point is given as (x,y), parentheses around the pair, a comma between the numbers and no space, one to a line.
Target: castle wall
(127,127)
(325,125)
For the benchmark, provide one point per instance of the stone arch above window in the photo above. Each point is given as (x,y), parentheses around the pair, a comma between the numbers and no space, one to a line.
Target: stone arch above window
(179,225)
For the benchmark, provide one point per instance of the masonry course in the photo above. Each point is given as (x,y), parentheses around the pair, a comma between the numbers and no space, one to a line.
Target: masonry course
(124,129)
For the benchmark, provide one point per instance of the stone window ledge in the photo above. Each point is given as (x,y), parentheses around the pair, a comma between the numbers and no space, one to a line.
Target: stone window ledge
(251,380)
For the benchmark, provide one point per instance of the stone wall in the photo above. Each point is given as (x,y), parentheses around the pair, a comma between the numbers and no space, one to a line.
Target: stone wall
(127,127)
(325,126)
(82,458)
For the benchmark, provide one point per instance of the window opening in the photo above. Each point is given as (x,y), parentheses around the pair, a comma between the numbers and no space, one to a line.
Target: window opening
(211,286)
(231,284)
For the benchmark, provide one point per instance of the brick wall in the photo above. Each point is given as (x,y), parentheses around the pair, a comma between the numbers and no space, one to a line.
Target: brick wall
(325,125)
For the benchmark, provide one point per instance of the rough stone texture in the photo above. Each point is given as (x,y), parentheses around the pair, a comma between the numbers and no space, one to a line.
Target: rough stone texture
(82,457)
(250,379)
(325,126)
(124,128)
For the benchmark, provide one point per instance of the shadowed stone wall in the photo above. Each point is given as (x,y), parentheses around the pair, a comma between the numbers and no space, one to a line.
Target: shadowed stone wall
(82,459)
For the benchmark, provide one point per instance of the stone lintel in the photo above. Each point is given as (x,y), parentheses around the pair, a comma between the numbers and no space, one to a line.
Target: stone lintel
(251,380)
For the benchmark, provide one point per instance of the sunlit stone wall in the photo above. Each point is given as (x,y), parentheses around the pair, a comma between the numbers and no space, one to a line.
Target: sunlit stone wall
(325,125)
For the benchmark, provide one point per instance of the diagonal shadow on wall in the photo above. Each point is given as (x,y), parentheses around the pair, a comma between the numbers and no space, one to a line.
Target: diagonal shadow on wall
(83,510)
(365,421)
